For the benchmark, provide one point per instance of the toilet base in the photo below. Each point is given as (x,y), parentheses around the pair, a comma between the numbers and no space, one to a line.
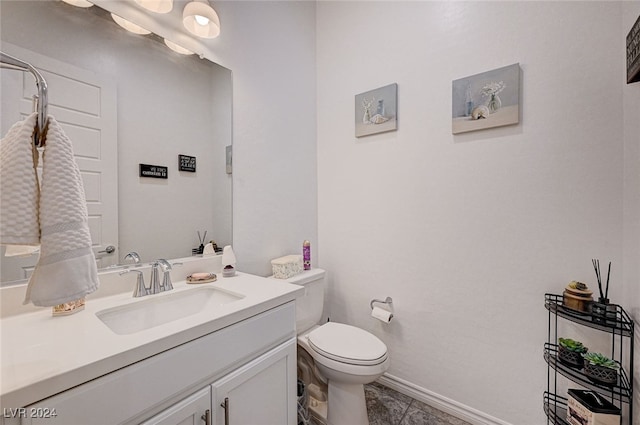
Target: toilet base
(346,404)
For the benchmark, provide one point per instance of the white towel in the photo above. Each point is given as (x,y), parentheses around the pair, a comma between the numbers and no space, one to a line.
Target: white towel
(66,269)
(20,192)
(21,250)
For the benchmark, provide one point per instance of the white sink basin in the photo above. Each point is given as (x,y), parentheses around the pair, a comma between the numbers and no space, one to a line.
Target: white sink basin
(163,308)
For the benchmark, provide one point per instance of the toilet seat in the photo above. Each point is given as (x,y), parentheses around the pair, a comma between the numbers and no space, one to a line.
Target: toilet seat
(347,344)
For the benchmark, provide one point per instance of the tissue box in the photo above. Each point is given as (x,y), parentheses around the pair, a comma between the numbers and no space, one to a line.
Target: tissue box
(589,408)
(285,267)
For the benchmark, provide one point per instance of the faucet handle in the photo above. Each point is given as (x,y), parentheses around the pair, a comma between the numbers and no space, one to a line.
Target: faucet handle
(166,282)
(163,264)
(140,290)
(166,267)
(154,286)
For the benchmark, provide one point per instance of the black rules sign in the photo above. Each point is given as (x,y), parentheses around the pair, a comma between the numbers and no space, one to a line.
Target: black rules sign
(155,171)
(187,163)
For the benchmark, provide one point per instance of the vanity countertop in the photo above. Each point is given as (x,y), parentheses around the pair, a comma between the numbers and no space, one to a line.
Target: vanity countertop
(43,355)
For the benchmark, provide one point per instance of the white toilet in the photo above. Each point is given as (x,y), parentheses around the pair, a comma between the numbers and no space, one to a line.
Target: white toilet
(345,356)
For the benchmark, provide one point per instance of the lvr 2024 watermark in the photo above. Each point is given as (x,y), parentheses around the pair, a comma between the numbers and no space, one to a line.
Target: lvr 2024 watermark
(29,412)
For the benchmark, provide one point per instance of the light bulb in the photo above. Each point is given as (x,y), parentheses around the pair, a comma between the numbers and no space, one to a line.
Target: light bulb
(202,20)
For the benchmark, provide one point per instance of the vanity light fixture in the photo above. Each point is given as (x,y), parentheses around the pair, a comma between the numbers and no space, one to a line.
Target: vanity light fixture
(177,48)
(79,3)
(200,19)
(158,6)
(129,26)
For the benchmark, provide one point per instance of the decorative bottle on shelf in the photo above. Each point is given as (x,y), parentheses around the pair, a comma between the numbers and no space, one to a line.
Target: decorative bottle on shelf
(367,116)
(380,110)
(494,103)
(306,255)
(468,103)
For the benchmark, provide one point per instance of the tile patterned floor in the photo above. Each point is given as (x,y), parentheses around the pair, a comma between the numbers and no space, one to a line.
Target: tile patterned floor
(389,407)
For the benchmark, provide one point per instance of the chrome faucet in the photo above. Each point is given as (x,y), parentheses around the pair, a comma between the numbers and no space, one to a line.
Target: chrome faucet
(140,290)
(155,287)
(166,285)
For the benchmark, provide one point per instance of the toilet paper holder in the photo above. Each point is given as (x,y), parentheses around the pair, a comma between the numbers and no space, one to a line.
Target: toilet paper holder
(387,301)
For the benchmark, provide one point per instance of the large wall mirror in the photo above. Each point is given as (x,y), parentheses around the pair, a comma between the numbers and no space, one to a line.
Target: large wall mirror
(126,100)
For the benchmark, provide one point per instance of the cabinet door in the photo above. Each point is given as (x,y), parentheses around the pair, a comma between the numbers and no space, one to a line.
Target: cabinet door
(190,411)
(262,392)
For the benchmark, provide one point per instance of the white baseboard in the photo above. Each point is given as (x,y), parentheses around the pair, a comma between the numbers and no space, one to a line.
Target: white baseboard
(439,402)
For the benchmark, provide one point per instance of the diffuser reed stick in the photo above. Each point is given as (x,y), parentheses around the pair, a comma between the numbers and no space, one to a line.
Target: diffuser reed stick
(596,267)
(201,239)
(606,291)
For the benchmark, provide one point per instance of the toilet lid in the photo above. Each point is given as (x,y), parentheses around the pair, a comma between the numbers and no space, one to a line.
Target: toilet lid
(347,344)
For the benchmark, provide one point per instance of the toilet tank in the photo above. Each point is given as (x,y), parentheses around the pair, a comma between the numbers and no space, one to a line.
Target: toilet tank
(309,305)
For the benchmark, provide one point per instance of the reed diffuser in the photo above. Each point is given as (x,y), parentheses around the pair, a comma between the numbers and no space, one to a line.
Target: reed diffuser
(602,311)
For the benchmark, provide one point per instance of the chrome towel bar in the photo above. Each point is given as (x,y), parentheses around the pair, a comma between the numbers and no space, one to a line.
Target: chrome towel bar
(40,100)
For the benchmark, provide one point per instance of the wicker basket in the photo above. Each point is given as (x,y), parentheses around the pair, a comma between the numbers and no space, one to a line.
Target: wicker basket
(570,358)
(600,374)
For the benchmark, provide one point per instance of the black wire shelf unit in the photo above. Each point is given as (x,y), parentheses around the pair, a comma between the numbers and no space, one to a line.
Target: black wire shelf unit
(620,329)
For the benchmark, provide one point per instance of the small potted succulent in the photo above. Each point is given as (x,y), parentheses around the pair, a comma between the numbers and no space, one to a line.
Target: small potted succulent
(600,368)
(570,352)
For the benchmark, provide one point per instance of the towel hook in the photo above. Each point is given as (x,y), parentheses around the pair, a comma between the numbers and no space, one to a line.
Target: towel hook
(387,301)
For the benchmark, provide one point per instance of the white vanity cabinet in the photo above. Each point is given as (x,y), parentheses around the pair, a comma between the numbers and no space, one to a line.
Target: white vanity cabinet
(250,363)
(193,410)
(259,392)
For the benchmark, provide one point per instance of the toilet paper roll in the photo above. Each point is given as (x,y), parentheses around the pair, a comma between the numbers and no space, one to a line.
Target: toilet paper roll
(381,314)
